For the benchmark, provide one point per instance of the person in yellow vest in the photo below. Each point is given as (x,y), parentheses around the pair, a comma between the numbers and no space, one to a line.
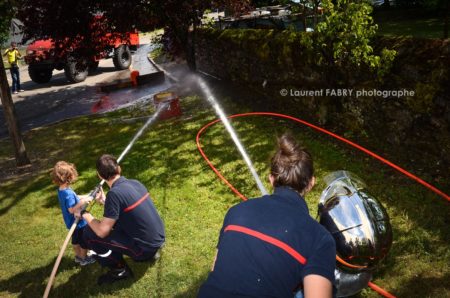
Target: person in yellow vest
(13,55)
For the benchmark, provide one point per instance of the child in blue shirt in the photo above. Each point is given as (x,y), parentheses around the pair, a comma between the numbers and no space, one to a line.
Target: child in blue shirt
(64,174)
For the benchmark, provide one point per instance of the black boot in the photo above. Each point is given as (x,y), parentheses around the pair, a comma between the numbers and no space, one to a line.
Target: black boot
(114,275)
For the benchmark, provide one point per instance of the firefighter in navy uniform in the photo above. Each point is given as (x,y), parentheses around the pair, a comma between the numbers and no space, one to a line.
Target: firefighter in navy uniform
(271,246)
(130,225)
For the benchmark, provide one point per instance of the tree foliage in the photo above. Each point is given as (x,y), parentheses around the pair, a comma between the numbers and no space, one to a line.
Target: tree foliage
(343,40)
(65,21)
(61,19)
(81,22)
(8,9)
(179,17)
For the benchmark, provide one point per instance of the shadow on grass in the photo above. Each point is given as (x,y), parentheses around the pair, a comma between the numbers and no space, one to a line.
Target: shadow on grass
(436,287)
(26,283)
(44,158)
(30,283)
(16,194)
(175,152)
(193,289)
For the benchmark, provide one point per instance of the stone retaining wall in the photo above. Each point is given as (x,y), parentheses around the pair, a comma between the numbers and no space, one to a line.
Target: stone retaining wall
(414,130)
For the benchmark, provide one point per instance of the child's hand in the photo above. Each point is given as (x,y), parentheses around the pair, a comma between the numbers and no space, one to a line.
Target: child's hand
(85,199)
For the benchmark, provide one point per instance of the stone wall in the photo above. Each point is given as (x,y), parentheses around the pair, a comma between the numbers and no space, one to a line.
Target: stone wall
(253,56)
(414,130)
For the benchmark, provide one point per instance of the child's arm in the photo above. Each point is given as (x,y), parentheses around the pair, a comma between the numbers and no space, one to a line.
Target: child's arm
(84,199)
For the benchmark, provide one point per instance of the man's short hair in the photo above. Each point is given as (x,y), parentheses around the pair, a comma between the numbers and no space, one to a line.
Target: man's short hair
(13,44)
(107,166)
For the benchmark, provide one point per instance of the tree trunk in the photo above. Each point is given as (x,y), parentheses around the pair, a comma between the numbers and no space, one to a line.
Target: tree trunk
(315,7)
(11,120)
(190,51)
(185,40)
(446,16)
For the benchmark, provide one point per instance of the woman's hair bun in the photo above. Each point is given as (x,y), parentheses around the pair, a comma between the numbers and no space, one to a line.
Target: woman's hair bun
(291,164)
(289,147)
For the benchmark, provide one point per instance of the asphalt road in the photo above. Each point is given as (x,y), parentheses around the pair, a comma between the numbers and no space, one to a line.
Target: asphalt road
(59,99)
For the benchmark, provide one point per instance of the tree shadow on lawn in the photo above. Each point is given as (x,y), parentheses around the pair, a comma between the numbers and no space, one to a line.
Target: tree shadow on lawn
(29,283)
(174,151)
(83,283)
(17,193)
(436,286)
(38,177)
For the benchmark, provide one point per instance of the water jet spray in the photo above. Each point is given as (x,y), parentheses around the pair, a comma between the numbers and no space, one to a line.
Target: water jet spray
(219,111)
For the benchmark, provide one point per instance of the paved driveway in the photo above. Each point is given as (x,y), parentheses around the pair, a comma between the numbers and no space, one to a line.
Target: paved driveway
(58,99)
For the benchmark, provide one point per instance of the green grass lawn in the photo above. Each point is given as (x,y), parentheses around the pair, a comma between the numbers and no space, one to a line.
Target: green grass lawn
(409,23)
(192,203)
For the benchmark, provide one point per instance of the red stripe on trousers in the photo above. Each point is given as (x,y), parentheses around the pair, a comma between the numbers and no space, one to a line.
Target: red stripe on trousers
(116,245)
(131,207)
(268,239)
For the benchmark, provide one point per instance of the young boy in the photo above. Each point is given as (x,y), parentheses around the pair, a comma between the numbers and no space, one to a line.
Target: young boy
(64,174)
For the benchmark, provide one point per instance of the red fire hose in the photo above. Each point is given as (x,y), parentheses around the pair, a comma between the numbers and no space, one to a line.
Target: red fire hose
(372,154)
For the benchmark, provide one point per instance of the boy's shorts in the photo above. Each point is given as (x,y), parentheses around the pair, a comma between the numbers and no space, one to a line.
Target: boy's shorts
(77,237)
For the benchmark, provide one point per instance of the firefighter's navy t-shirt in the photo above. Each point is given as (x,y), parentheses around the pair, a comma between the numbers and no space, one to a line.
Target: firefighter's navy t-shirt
(129,203)
(253,260)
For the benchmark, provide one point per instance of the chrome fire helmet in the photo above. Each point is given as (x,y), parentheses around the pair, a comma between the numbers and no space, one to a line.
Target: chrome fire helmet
(356,220)
(360,227)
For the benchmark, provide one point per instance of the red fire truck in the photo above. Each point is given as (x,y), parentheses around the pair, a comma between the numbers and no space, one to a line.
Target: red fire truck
(43,56)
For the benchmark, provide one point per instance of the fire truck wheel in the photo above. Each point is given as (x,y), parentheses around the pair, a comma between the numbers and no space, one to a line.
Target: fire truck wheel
(40,75)
(76,69)
(122,57)
(93,66)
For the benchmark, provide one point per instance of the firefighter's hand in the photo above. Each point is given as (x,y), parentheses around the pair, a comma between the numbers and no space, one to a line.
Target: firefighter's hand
(77,213)
(100,196)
